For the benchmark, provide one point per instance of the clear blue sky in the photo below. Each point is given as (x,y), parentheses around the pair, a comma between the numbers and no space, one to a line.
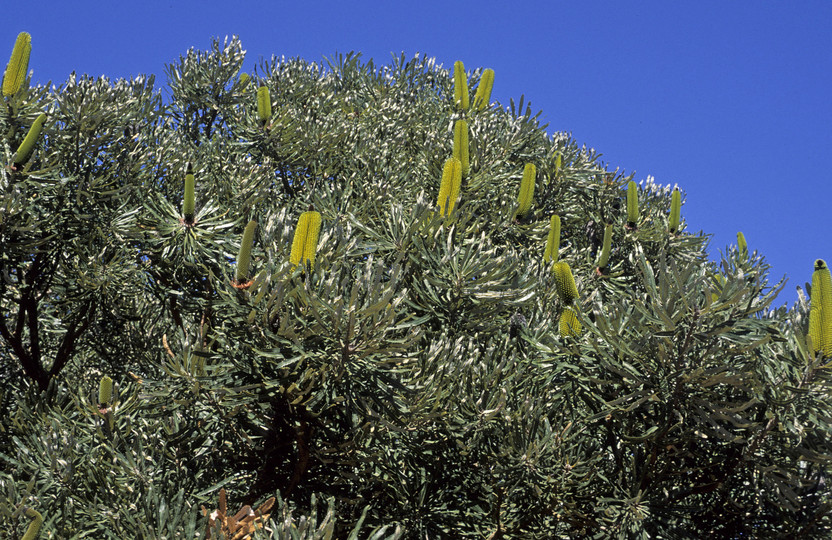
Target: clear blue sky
(730,100)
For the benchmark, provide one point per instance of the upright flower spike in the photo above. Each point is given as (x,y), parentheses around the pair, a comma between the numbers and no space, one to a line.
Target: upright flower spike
(264,104)
(675,211)
(449,189)
(483,96)
(526,196)
(565,283)
(553,240)
(820,314)
(569,324)
(305,242)
(18,65)
(604,259)
(461,145)
(460,86)
(632,205)
(28,144)
(189,201)
(105,391)
(244,257)
(34,527)
(244,78)
(742,247)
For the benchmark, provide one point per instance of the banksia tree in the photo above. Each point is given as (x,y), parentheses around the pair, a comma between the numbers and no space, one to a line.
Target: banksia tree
(436,381)
(460,86)
(18,65)
(820,316)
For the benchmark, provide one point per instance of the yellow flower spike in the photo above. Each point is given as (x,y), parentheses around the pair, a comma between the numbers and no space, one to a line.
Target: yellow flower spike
(449,189)
(461,145)
(820,314)
(34,527)
(483,96)
(18,65)
(742,247)
(460,86)
(569,324)
(305,242)
(264,104)
(565,283)
(24,151)
(632,205)
(244,256)
(675,211)
(604,259)
(189,200)
(526,197)
(553,240)
(244,78)
(105,391)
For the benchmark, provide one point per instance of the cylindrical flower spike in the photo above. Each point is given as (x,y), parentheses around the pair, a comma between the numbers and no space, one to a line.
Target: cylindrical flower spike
(189,201)
(675,211)
(569,324)
(565,283)
(742,247)
(604,259)
(244,257)
(461,145)
(34,527)
(632,205)
(449,189)
(820,314)
(553,240)
(460,87)
(305,242)
(105,391)
(244,78)
(526,197)
(264,104)
(18,65)
(28,144)
(483,96)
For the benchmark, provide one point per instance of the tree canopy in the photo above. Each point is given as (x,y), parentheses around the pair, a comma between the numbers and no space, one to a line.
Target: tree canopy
(441,321)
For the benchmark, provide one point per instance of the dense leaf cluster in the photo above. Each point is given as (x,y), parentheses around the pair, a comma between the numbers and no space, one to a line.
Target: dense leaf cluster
(413,377)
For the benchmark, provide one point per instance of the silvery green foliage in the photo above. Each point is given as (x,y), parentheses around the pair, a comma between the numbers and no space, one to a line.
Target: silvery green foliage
(390,378)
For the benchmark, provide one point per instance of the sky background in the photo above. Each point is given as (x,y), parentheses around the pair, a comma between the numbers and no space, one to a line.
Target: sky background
(730,100)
